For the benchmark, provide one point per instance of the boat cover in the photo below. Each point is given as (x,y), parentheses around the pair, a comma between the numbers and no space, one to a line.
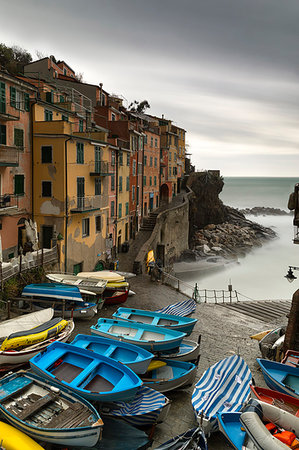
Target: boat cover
(184,308)
(193,436)
(25,322)
(43,327)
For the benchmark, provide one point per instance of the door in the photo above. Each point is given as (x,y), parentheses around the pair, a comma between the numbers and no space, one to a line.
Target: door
(97,159)
(47,235)
(80,192)
(78,268)
(151,202)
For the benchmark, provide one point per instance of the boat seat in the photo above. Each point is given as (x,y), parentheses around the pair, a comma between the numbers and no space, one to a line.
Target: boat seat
(99,384)
(39,404)
(67,372)
(292,382)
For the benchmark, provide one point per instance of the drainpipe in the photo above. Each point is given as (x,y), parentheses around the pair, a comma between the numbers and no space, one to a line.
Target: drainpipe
(66,204)
(32,161)
(142,175)
(116,197)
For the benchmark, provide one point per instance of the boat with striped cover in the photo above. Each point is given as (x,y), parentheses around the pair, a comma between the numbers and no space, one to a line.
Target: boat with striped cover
(184,324)
(184,308)
(188,351)
(146,409)
(169,375)
(280,377)
(224,387)
(195,437)
(135,357)
(93,376)
(153,339)
(48,412)
(276,398)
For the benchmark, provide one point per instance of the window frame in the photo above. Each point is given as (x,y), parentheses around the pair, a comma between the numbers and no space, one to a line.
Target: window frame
(42,158)
(44,184)
(85,227)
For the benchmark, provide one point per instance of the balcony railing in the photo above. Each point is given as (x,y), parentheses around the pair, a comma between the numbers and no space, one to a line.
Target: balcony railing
(100,168)
(88,203)
(8,202)
(9,155)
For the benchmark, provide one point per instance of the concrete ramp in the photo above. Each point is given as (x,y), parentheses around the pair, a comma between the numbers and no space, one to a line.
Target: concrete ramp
(266,311)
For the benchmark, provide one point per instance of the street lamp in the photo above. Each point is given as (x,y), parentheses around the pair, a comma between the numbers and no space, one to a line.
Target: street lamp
(290,275)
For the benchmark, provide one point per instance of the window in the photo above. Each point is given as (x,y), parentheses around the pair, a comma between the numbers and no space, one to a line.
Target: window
(46,154)
(19,185)
(151,161)
(61,98)
(144,180)
(2,98)
(80,153)
(150,181)
(152,142)
(120,184)
(85,227)
(174,156)
(170,171)
(12,96)
(98,224)
(133,193)
(156,161)
(120,158)
(134,167)
(175,171)
(27,102)
(127,208)
(128,184)
(155,180)
(81,124)
(48,115)
(46,189)
(112,209)
(145,139)
(119,210)
(137,196)
(113,117)
(139,168)
(49,97)
(112,158)
(97,186)
(128,159)
(156,142)
(157,201)
(112,182)
(144,160)
(64,117)
(3,134)
(169,156)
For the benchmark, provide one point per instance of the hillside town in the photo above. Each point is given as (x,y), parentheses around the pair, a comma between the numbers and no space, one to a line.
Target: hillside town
(80,164)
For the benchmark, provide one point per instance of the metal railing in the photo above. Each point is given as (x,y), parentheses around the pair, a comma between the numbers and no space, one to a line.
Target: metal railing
(88,203)
(100,168)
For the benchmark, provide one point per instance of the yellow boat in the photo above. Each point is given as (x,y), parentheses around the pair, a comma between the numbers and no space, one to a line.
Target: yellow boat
(114,285)
(34,335)
(13,439)
(260,335)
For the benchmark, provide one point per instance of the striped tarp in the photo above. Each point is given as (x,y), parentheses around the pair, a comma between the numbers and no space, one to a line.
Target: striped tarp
(144,409)
(224,387)
(184,308)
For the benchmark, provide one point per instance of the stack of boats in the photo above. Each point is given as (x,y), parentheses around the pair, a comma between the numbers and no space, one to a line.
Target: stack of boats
(120,371)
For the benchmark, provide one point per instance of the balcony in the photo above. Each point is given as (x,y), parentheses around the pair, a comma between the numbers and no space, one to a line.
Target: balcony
(88,203)
(9,155)
(8,203)
(99,168)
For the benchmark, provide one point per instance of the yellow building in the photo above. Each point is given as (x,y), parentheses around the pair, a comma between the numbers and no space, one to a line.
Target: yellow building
(70,184)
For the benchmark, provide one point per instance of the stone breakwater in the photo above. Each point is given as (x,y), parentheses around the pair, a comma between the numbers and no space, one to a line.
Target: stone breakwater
(264,211)
(233,238)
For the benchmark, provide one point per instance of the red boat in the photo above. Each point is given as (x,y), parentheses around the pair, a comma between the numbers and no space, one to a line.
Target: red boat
(283,401)
(291,358)
(114,297)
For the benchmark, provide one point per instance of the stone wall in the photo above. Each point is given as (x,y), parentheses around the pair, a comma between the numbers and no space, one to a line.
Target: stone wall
(169,237)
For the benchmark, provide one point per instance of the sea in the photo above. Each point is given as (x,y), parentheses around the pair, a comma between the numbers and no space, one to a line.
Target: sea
(260,275)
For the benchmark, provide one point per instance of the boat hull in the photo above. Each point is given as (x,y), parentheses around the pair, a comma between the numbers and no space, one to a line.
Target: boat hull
(174,375)
(116,297)
(188,352)
(278,377)
(276,398)
(78,312)
(56,291)
(96,286)
(14,439)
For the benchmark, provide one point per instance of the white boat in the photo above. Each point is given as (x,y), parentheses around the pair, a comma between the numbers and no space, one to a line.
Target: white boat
(94,285)
(25,322)
(188,351)
(108,275)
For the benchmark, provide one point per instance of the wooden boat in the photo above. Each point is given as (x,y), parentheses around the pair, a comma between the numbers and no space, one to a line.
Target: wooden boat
(151,338)
(271,345)
(283,401)
(224,387)
(90,284)
(190,439)
(25,322)
(188,351)
(184,308)
(48,412)
(93,376)
(184,324)
(13,439)
(10,358)
(53,291)
(260,335)
(132,356)
(291,358)
(148,408)
(280,377)
(252,420)
(114,296)
(168,375)
(108,275)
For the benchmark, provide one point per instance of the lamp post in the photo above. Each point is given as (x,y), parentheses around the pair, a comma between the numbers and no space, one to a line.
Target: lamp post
(290,275)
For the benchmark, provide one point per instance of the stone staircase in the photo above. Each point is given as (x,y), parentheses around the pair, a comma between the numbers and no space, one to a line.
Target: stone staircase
(149,222)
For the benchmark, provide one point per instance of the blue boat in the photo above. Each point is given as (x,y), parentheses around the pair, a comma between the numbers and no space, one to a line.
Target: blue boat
(280,377)
(230,425)
(169,375)
(184,308)
(195,437)
(93,376)
(52,291)
(48,412)
(132,356)
(153,339)
(184,324)
(188,351)
(148,408)
(224,387)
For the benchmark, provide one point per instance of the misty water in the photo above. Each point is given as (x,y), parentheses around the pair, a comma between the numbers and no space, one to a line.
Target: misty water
(260,274)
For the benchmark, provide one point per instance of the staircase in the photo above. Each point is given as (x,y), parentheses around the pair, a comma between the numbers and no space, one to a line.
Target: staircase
(148,223)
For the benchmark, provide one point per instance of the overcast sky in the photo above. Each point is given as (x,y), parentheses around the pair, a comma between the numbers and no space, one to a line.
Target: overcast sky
(227,71)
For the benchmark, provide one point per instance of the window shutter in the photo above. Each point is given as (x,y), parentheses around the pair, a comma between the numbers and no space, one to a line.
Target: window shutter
(19,184)
(12,96)
(27,102)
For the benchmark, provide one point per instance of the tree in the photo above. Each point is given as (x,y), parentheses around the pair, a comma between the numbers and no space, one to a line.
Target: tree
(14,58)
(139,107)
